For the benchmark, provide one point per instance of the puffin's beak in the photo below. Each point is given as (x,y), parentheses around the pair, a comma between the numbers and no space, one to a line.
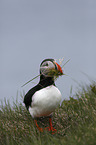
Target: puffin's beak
(58,67)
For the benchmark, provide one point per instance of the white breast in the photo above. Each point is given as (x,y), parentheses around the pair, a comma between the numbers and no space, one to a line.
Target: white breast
(45,101)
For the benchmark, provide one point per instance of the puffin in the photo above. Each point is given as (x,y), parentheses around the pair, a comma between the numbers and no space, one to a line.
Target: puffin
(45,97)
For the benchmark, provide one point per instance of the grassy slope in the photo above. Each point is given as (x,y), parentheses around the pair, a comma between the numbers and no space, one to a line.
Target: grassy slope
(75,121)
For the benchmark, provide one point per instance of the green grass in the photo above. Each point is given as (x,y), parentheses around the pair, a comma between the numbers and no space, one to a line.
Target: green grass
(75,121)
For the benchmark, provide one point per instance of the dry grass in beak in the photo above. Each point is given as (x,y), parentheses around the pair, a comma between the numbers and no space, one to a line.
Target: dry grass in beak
(55,73)
(52,72)
(30,81)
(65,63)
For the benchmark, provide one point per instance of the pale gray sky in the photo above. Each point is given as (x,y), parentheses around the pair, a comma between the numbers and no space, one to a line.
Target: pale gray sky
(32,30)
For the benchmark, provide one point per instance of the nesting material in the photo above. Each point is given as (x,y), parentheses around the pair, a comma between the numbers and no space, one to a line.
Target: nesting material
(51,72)
(54,73)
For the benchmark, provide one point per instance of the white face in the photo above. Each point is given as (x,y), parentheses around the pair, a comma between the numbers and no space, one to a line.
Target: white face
(45,66)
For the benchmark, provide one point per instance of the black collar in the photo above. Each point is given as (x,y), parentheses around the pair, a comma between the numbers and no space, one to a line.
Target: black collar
(46,81)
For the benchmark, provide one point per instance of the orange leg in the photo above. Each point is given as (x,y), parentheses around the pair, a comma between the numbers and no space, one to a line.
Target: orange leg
(50,128)
(40,129)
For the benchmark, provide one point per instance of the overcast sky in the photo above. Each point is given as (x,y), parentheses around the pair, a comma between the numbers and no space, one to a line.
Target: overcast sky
(33,30)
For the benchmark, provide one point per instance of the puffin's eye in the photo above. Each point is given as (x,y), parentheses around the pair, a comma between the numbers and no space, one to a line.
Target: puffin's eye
(45,64)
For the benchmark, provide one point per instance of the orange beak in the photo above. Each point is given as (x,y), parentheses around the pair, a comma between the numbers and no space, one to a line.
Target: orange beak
(58,67)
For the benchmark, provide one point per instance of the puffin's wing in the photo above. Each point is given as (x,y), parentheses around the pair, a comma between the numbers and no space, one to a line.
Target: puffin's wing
(28,97)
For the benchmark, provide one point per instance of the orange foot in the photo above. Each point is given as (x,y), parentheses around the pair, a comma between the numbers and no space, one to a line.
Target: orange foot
(39,128)
(53,130)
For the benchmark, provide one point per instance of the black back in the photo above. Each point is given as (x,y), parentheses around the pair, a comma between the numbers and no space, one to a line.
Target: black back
(44,82)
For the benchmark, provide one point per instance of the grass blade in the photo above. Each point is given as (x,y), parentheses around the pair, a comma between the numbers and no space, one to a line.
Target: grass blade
(66,62)
(30,81)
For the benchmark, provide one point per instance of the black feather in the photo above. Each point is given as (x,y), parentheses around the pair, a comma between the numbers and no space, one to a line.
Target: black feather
(44,82)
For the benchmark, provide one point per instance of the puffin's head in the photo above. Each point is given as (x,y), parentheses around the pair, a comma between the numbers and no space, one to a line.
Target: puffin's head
(49,68)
